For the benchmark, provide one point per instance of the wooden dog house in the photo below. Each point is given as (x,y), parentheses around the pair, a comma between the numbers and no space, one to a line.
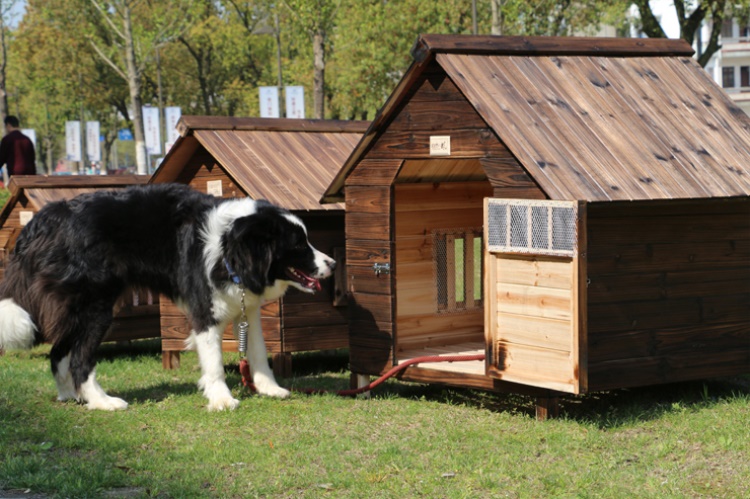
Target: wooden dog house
(137,312)
(577,209)
(289,162)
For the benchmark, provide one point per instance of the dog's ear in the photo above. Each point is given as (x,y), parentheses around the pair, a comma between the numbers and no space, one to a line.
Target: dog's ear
(249,246)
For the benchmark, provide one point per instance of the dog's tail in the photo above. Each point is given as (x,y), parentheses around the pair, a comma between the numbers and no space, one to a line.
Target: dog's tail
(17,329)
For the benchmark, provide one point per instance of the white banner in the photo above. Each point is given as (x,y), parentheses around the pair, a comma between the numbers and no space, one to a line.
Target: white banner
(73,140)
(295,102)
(93,146)
(151,130)
(31,134)
(269,102)
(171,117)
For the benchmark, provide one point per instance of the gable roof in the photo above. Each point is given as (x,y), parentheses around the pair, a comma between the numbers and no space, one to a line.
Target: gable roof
(289,162)
(41,190)
(595,119)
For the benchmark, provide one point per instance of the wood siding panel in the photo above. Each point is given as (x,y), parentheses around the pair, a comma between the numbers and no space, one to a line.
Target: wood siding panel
(668,286)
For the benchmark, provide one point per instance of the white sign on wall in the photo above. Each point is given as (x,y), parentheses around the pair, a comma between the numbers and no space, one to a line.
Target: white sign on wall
(93,146)
(295,102)
(171,117)
(73,140)
(151,130)
(269,102)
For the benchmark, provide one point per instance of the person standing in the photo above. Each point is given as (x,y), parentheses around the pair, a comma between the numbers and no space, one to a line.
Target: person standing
(17,150)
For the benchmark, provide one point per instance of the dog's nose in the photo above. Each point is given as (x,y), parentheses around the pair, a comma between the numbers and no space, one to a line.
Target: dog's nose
(332,264)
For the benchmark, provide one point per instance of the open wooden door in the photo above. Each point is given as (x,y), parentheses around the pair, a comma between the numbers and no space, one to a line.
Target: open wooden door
(534,310)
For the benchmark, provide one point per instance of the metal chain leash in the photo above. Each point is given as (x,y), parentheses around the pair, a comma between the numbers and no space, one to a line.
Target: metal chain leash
(243,326)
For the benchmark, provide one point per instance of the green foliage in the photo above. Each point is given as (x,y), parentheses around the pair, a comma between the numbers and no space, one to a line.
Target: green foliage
(409,440)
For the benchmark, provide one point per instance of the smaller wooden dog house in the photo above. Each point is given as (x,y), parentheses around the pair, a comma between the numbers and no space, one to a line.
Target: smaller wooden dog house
(288,162)
(137,313)
(575,209)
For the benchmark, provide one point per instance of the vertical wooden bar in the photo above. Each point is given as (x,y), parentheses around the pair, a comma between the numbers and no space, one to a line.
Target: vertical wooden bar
(490,292)
(469,269)
(450,270)
(580,300)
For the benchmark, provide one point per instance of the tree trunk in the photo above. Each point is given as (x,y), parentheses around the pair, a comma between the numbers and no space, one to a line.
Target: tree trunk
(319,65)
(3,66)
(497,18)
(134,85)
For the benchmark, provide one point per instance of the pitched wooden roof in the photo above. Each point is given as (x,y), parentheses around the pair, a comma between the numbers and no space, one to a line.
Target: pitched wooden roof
(41,190)
(289,162)
(593,119)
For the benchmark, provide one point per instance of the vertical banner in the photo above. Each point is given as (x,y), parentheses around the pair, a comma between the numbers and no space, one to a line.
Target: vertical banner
(73,140)
(93,146)
(269,102)
(151,130)
(171,117)
(295,102)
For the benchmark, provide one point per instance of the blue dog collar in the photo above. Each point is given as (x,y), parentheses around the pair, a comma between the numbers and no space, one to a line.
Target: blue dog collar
(232,275)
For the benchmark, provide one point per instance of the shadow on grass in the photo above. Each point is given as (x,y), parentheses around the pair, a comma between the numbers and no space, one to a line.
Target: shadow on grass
(329,370)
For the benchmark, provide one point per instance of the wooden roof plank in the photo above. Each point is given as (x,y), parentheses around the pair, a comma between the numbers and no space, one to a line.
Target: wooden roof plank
(730,126)
(429,44)
(507,111)
(671,122)
(188,123)
(711,130)
(283,186)
(636,145)
(601,126)
(560,102)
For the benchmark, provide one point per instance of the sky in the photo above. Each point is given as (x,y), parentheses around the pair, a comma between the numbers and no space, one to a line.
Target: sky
(16,13)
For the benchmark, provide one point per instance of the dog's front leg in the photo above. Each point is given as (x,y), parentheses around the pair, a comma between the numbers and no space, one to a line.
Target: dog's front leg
(213,382)
(257,357)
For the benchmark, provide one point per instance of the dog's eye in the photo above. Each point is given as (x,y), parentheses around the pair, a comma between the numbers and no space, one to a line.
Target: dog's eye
(301,245)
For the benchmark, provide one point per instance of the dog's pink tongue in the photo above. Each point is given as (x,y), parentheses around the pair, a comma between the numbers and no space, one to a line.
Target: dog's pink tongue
(317,285)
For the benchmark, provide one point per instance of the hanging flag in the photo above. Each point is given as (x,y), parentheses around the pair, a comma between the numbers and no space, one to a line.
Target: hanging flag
(93,146)
(295,102)
(151,130)
(171,117)
(73,140)
(269,102)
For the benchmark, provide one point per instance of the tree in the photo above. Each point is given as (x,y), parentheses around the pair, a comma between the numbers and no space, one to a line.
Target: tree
(317,19)
(691,15)
(552,17)
(6,7)
(127,46)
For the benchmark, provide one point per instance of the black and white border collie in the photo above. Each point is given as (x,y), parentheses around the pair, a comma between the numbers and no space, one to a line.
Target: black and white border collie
(75,258)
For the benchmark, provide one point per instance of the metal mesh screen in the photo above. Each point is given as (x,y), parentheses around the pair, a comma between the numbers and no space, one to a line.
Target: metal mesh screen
(533,227)
(457,268)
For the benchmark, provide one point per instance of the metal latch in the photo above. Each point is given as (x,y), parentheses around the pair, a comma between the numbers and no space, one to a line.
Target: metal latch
(381,268)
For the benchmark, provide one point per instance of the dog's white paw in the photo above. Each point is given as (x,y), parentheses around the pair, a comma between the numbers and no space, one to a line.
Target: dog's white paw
(223,404)
(107,404)
(272,390)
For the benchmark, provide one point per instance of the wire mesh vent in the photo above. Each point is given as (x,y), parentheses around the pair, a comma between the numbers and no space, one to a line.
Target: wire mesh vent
(533,227)
(457,268)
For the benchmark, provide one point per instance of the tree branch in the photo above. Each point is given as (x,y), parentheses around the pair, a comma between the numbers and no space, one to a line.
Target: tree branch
(109,21)
(649,24)
(109,61)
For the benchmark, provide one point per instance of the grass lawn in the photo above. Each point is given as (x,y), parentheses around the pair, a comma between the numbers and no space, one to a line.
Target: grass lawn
(409,440)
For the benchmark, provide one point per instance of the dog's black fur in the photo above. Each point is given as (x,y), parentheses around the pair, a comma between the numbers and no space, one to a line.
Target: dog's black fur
(75,259)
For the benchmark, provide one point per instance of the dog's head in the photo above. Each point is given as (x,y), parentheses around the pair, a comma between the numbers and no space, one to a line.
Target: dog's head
(272,245)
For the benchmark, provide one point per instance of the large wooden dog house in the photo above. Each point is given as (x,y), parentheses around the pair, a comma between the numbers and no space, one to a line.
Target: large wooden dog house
(289,162)
(574,208)
(137,312)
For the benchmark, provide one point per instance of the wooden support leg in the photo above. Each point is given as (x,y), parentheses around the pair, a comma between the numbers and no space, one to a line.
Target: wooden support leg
(170,359)
(547,407)
(282,365)
(358,381)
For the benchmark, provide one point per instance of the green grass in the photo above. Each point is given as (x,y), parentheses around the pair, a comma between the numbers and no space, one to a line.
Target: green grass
(4,195)
(409,440)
